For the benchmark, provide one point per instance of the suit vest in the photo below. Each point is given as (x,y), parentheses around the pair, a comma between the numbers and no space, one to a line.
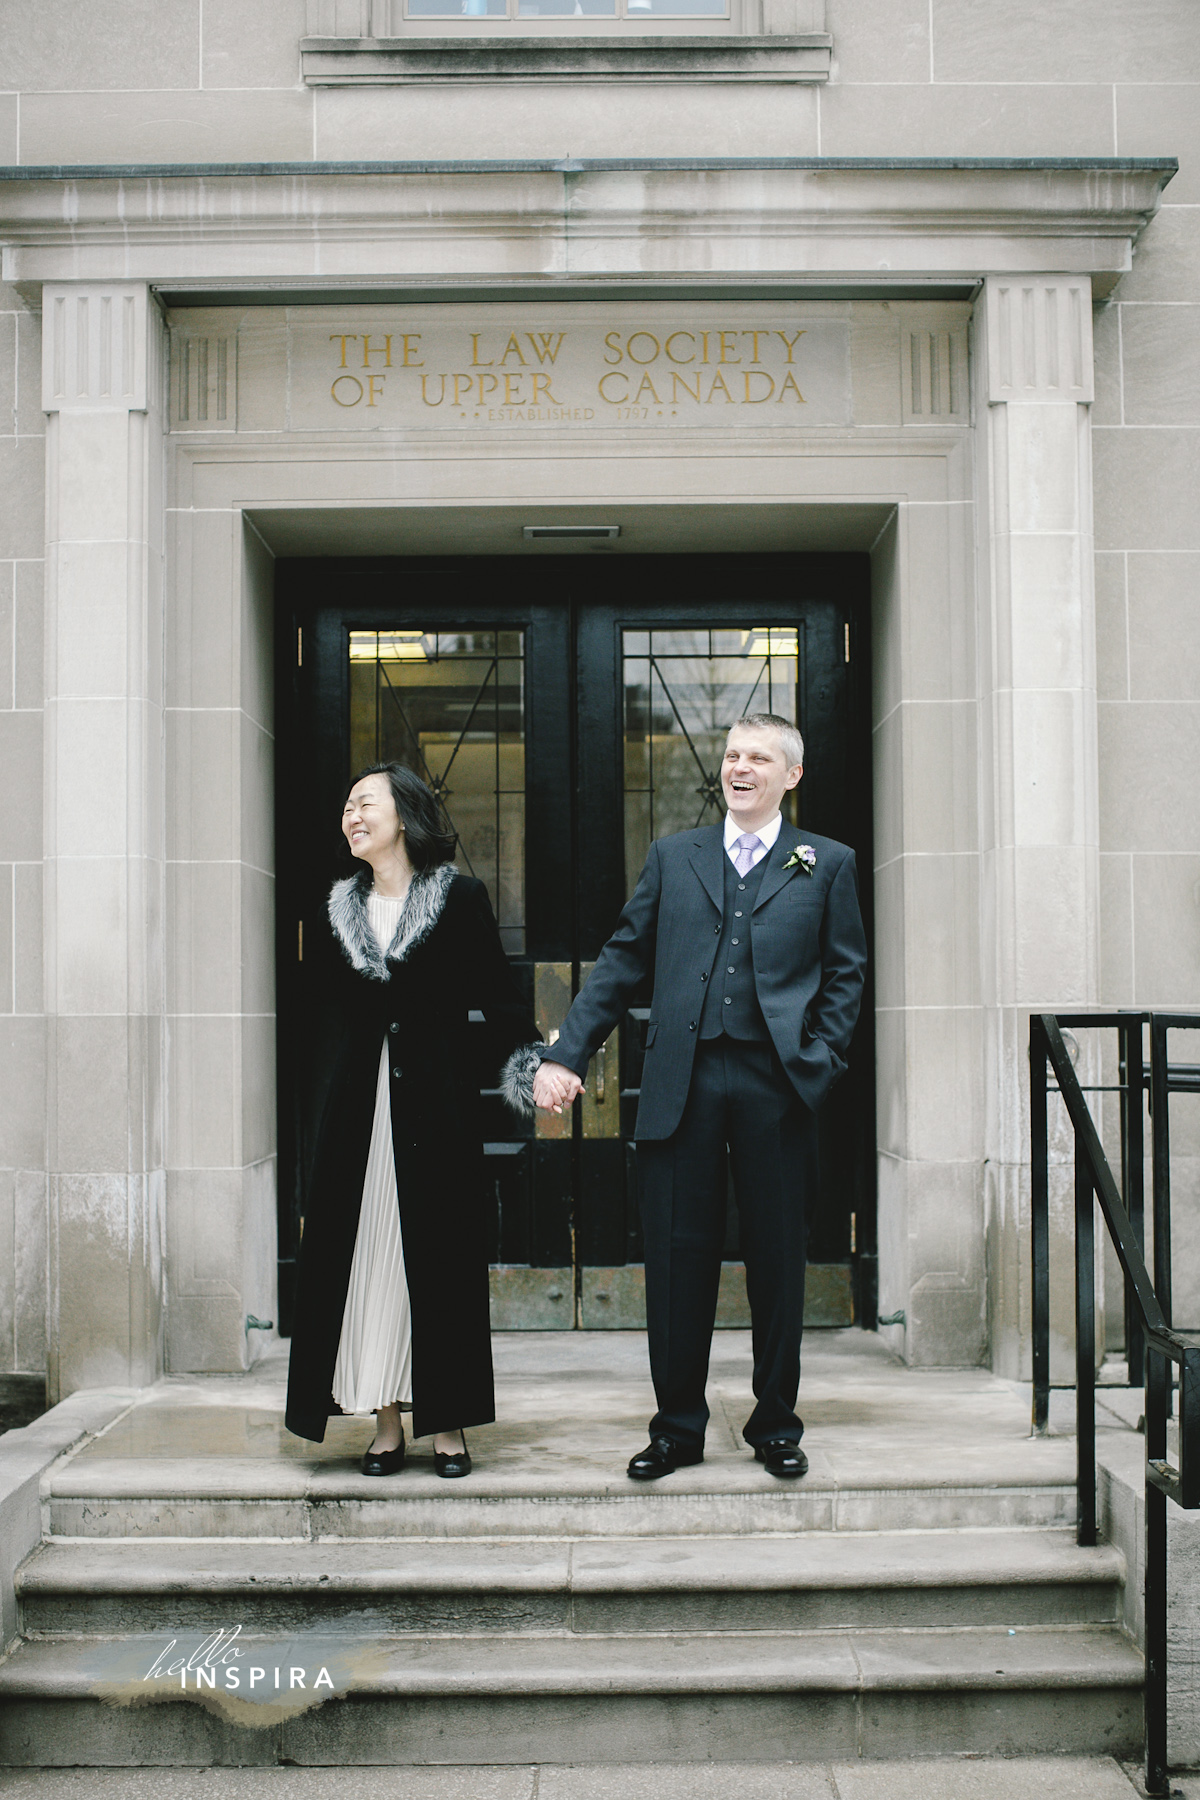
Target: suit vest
(731,1001)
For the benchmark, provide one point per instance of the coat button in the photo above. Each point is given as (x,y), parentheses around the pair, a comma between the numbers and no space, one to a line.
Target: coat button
(393,1027)
(704,977)
(397,1073)
(728,1001)
(692,1026)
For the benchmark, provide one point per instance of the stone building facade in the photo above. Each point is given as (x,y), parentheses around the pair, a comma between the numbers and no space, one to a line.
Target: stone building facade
(982,228)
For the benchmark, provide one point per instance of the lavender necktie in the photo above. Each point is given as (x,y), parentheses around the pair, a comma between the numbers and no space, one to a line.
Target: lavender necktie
(746,845)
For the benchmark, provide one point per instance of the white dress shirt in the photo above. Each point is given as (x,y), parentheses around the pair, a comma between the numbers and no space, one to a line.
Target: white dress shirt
(766,835)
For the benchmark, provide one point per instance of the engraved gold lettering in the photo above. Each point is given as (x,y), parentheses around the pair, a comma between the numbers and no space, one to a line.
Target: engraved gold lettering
(614,347)
(789,380)
(512,348)
(641,360)
(410,341)
(425,391)
(619,375)
(727,339)
(544,382)
(789,344)
(492,381)
(704,346)
(475,362)
(718,382)
(511,399)
(373,393)
(755,335)
(681,381)
(462,385)
(341,382)
(370,350)
(540,342)
(350,338)
(647,386)
(691,337)
(757,375)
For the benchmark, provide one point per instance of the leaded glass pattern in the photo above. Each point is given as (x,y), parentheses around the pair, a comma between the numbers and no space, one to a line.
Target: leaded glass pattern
(451,707)
(682,692)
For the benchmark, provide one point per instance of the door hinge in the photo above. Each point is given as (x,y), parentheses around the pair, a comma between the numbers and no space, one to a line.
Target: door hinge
(299,940)
(300,647)
(846,640)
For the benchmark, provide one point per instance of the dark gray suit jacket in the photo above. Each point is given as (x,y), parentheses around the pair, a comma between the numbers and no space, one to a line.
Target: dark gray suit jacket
(810,955)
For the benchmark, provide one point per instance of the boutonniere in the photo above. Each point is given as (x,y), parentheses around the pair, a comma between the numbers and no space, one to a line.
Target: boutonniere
(802,857)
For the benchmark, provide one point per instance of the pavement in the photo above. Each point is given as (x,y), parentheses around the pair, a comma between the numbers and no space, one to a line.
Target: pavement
(934,1778)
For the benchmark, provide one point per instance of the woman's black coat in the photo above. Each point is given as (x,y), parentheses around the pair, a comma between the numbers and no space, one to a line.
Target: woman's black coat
(445,959)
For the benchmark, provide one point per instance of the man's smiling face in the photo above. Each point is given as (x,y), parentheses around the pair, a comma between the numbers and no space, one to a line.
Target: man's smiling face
(755,775)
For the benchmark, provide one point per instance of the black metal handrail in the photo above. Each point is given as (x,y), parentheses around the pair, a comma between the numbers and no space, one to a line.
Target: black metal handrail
(1153,1347)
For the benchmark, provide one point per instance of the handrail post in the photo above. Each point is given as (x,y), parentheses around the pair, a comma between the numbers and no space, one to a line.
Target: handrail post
(1160,1104)
(1040,1224)
(1133,1181)
(1155,1588)
(1085,1352)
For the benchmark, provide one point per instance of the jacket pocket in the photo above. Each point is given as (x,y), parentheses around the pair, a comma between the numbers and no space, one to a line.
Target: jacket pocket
(651,1032)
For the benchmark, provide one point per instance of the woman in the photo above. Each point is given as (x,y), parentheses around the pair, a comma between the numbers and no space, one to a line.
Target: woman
(392,1290)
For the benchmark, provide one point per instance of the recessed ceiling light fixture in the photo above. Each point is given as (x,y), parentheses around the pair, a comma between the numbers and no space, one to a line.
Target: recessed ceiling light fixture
(571,531)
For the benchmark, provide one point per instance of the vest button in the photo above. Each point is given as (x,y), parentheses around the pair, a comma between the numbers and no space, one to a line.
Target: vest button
(731,970)
(741,887)
(735,940)
(737,915)
(692,1026)
(704,977)
(728,1001)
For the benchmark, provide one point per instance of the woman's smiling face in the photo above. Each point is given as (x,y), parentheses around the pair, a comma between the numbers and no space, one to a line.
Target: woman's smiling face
(369,820)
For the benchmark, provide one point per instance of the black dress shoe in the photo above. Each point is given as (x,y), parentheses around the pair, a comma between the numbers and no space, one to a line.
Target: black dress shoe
(661,1455)
(383,1462)
(450,1464)
(782,1457)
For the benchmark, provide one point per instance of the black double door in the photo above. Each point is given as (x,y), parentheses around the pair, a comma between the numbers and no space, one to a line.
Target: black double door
(566,709)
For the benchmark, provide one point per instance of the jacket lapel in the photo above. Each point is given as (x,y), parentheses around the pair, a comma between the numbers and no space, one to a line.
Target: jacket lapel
(706,853)
(775,875)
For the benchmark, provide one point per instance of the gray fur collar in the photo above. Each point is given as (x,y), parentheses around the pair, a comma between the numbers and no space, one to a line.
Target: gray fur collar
(420,913)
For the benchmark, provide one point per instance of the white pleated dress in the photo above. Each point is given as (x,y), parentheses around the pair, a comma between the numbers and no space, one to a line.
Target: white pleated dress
(374,1359)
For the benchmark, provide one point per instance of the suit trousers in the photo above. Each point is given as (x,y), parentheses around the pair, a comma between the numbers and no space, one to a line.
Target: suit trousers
(741,1101)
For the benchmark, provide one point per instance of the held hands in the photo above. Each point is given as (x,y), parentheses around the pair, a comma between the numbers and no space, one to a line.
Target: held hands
(554,1086)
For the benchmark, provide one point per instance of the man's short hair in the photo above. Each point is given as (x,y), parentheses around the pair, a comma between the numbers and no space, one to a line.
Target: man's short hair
(791,743)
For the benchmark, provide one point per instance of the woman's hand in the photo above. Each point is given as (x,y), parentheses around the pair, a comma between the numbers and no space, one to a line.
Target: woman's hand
(554,1086)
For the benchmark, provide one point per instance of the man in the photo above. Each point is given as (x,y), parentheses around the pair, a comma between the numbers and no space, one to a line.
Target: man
(756,946)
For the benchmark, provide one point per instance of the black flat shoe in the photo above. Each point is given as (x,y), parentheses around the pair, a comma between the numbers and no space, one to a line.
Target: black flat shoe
(661,1456)
(383,1462)
(450,1464)
(782,1457)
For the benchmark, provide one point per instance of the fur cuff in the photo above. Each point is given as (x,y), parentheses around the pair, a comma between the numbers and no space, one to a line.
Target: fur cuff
(516,1078)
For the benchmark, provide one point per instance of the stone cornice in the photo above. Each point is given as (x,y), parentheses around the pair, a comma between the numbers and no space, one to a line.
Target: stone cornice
(529,222)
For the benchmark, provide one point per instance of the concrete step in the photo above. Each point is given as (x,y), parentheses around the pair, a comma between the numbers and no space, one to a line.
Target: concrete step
(95,1496)
(820,1581)
(496,1699)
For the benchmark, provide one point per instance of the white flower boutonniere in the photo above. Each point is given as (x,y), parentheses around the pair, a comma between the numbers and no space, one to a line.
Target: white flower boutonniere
(802,857)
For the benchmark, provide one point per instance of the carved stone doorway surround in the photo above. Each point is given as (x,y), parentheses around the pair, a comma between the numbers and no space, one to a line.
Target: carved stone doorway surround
(157,700)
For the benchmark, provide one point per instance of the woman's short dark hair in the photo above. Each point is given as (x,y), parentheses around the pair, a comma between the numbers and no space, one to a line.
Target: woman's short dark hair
(428,838)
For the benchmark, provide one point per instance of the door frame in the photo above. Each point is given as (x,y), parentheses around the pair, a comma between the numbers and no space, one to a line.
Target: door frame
(567,916)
